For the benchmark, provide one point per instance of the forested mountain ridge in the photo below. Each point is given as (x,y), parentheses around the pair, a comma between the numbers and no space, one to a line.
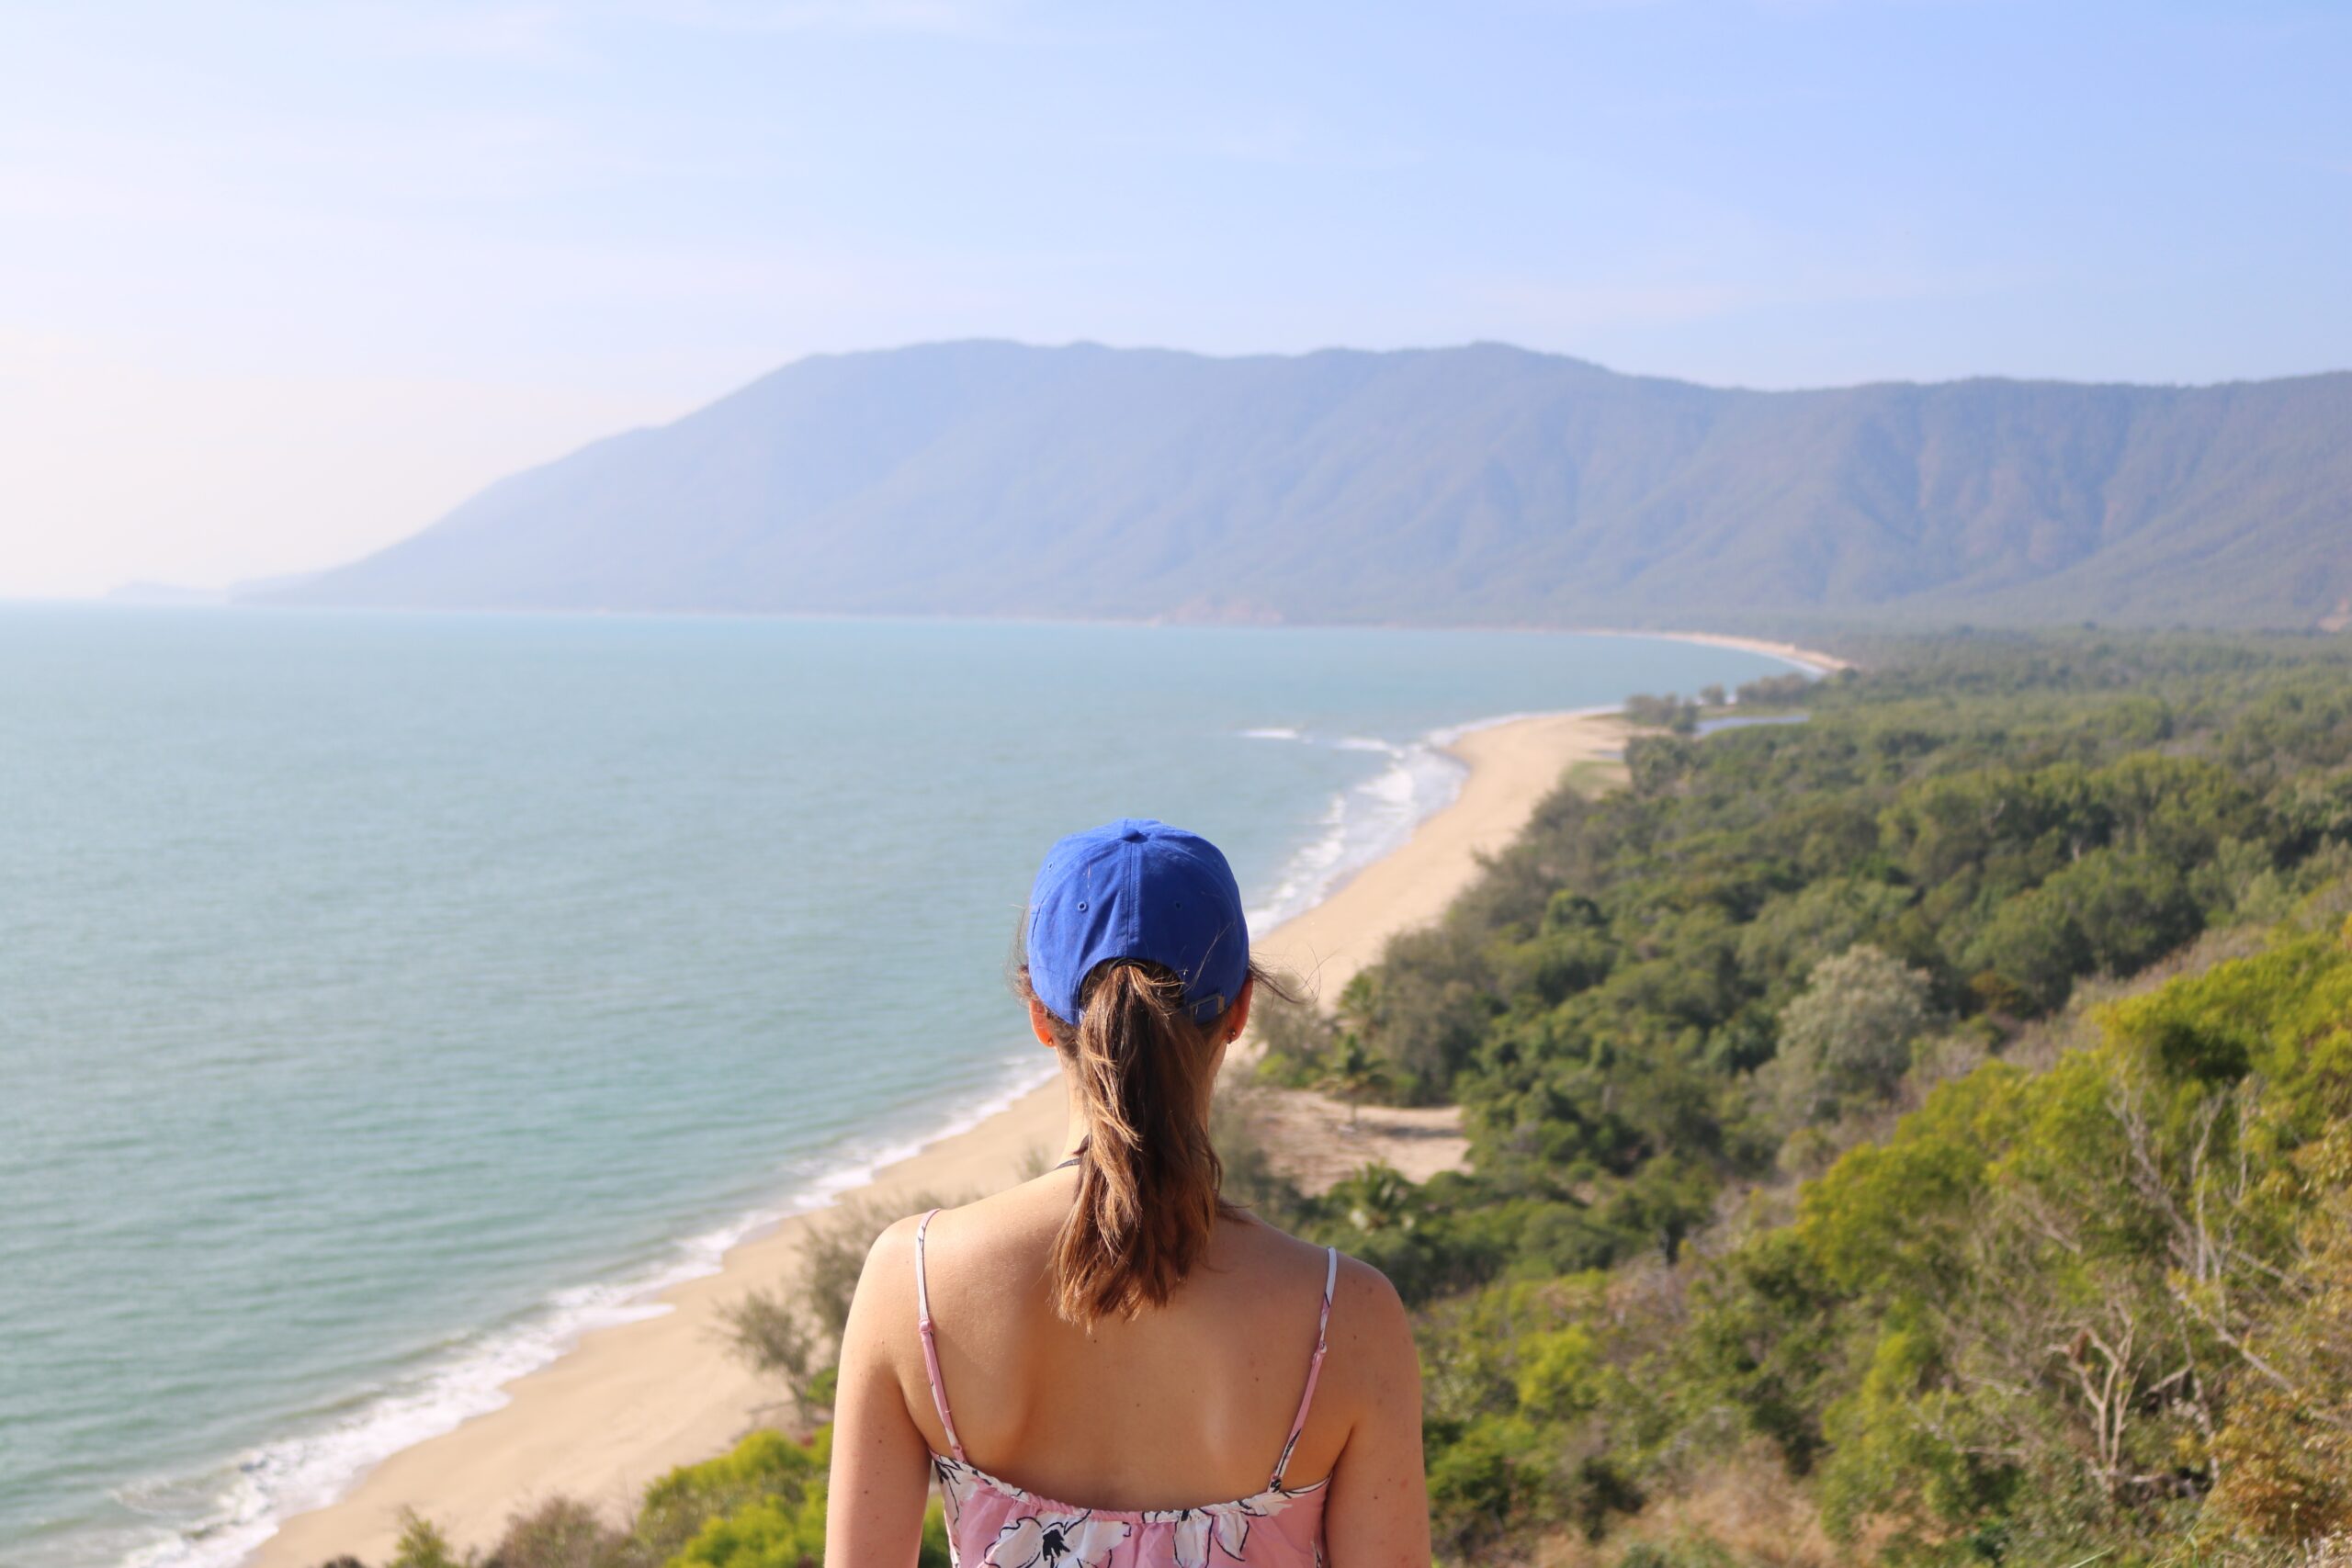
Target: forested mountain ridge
(1465,485)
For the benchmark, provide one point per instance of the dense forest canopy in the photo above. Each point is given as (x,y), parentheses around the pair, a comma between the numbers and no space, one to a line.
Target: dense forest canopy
(1929,1115)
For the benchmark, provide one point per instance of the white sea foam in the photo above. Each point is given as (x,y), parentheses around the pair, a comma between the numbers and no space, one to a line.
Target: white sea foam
(241,1506)
(1373,818)
(1272,732)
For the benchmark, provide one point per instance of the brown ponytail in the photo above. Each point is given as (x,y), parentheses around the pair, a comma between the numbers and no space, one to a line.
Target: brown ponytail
(1148,1176)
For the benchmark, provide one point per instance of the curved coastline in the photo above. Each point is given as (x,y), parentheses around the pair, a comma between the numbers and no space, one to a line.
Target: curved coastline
(652,1385)
(1812,661)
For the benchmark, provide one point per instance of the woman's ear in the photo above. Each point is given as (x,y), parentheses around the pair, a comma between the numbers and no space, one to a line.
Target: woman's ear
(1237,1017)
(1041,1024)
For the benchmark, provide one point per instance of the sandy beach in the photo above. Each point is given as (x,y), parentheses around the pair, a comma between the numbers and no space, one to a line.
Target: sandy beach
(631,1402)
(1814,659)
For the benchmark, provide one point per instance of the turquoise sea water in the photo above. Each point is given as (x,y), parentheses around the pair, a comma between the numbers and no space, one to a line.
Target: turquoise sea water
(384,999)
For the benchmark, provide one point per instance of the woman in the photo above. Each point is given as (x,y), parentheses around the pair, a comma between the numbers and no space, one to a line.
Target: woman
(1109,1366)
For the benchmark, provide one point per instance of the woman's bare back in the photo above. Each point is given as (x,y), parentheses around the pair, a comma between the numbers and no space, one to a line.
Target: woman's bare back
(1187,1404)
(1184,1405)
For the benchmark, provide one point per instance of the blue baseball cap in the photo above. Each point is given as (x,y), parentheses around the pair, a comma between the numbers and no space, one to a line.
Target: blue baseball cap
(1136,889)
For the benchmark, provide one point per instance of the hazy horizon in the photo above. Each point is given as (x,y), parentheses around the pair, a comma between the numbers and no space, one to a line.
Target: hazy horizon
(282,285)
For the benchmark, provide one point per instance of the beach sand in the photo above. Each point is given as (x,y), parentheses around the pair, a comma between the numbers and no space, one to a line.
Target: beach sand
(631,1402)
(1821,663)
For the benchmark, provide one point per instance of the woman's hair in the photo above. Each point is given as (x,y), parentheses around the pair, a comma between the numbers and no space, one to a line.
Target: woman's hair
(1148,1174)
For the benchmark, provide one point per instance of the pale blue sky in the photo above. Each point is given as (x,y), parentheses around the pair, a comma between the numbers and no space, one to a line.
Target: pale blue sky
(280,283)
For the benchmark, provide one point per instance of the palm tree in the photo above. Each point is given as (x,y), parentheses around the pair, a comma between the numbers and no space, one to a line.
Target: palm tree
(1351,1070)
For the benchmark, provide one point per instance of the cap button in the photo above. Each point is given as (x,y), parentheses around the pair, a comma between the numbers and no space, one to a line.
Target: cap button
(1133,835)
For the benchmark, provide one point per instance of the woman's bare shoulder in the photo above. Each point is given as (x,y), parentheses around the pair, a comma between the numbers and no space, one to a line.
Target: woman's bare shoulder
(1365,1306)
(1367,1309)
(887,1280)
(1370,1335)
(979,1255)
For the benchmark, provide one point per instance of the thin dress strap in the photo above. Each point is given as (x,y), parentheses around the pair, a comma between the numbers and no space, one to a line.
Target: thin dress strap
(931,1341)
(1314,1368)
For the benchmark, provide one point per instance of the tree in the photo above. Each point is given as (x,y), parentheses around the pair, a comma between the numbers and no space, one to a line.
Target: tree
(772,1332)
(562,1533)
(2130,909)
(795,1332)
(1351,1071)
(1850,1034)
(1668,712)
(2028,955)
(1773,691)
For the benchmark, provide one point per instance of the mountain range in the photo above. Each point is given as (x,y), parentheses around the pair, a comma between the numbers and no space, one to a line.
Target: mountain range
(1482,484)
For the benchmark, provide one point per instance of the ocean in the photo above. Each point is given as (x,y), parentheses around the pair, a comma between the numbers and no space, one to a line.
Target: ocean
(385,1000)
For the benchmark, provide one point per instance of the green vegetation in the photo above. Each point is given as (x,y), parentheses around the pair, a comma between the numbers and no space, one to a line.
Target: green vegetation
(760,1505)
(1921,1135)
(1925,1125)
(1669,712)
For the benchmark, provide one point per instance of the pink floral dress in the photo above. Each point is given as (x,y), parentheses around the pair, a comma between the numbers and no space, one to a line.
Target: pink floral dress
(993,1524)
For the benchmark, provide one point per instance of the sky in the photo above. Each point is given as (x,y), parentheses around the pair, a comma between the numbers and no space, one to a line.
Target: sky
(280,284)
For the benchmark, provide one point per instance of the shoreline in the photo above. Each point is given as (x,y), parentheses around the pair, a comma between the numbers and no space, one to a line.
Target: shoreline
(1811,660)
(629,1401)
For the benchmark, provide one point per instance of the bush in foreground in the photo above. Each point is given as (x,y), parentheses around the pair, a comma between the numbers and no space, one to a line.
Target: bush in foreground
(761,1505)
